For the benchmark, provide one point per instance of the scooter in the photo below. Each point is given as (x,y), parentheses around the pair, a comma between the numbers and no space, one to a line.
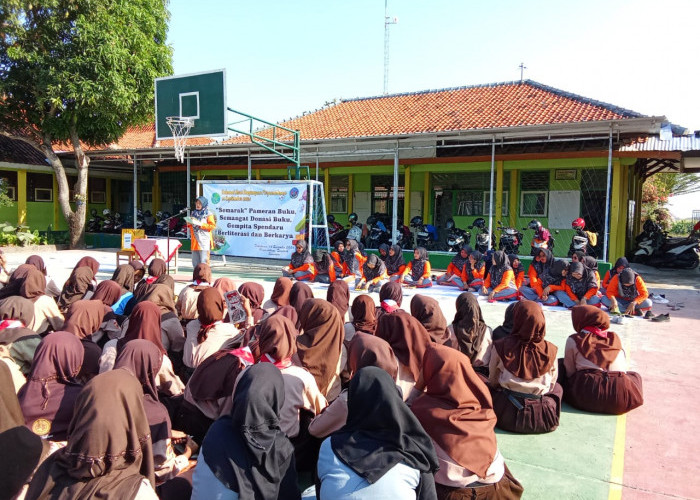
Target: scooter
(482,237)
(511,239)
(581,240)
(336,232)
(94,224)
(426,234)
(542,239)
(655,248)
(456,238)
(378,233)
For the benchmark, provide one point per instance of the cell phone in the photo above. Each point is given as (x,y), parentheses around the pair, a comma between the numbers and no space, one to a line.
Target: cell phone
(234,302)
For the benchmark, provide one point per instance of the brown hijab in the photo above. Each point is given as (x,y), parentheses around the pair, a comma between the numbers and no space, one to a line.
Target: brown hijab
(525,353)
(108,292)
(84,318)
(210,306)
(109,451)
(124,277)
(224,285)
(17,308)
(37,262)
(216,376)
(144,323)
(364,317)
(468,325)
(280,294)
(593,339)
(90,263)
(78,284)
(368,350)
(277,337)
(320,346)
(48,397)
(391,291)
(202,272)
(407,337)
(33,286)
(299,294)
(255,293)
(14,283)
(338,294)
(10,411)
(162,296)
(427,310)
(157,267)
(456,409)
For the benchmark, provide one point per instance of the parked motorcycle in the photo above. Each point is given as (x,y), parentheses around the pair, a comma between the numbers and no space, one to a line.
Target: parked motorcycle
(655,248)
(456,238)
(542,239)
(404,236)
(336,232)
(426,234)
(582,241)
(378,233)
(482,235)
(94,224)
(355,229)
(510,240)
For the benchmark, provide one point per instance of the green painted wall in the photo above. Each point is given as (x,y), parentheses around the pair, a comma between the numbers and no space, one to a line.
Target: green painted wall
(39,215)
(9,214)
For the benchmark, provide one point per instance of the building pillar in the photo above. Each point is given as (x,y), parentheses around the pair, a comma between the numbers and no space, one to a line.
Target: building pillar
(624,209)
(108,194)
(407,195)
(616,206)
(426,196)
(22,197)
(498,212)
(327,188)
(156,198)
(513,199)
(351,193)
(257,174)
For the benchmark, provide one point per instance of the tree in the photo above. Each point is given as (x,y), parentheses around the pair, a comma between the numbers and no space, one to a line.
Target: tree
(658,188)
(79,73)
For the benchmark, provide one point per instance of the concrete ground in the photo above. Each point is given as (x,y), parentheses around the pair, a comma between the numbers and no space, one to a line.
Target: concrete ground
(648,453)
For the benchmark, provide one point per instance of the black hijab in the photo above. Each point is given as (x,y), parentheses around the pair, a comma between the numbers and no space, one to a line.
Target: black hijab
(507,327)
(378,270)
(247,451)
(418,265)
(394,263)
(299,259)
(580,286)
(499,268)
(381,432)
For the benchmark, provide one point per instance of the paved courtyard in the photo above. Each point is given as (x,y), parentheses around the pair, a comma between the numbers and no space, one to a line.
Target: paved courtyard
(649,453)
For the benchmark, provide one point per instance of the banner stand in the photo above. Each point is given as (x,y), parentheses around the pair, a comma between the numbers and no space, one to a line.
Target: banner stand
(264,219)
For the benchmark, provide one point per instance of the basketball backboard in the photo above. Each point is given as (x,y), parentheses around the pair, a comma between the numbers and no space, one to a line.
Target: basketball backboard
(201,96)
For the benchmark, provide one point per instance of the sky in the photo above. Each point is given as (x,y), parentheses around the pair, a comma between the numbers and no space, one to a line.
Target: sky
(284,58)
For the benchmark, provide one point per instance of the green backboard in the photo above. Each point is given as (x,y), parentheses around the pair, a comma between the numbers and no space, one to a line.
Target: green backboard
(201,96)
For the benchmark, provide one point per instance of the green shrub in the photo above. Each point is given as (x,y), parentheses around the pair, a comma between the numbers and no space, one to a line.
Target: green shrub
(681,228)
(18,235)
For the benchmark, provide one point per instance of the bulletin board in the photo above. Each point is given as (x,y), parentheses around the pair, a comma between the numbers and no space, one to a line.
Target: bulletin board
(564,206)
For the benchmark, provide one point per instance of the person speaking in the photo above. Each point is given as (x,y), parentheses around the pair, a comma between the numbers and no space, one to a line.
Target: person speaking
(201,223)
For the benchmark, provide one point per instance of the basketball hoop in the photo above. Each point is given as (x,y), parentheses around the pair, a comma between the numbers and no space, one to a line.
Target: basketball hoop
(180,127)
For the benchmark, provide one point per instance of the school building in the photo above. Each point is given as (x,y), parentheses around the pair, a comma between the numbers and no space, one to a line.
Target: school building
(544,153)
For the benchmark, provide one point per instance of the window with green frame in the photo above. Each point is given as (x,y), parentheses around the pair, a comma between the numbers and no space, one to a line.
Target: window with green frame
(339,194)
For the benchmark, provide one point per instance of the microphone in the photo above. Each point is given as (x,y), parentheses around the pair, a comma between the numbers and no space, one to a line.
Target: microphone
(184,210)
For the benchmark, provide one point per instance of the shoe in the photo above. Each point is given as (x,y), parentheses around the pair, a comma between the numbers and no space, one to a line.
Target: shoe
(661,317)
(616,319)
(648,315)
(615,311)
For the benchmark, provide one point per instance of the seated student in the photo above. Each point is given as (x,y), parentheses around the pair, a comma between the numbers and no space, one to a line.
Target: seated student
(280,295)
(579,287)
(139,272)
(395,263)
(427,310)
(382,451)
(245,454)
(578,256)
(48,397)
(337,256)
(83,319)
(186,305)
(472,336)
(409,340)
(302,266)
(594,372)
(142,359)
(109,452)
(364,317)
(80,284)
(540,276)
(124,277)
(506,327)
(457,413)
(16,340)
(390,298)
(171,331)
(325,271)
(553,281)
(383,251)
(47,316)
(518,270)
(208,333)
(620,265)
(523,375)
(363,350)
(474,271)
(338,294)
(320,347)
(417,272)
(627,293)
(255,295)
(499,284)
(352,261)
(374,275)
(108,292)
(52,289)
(455,269)
(592,265)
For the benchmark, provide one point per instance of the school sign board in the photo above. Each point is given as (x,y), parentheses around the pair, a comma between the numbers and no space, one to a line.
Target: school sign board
(257,220)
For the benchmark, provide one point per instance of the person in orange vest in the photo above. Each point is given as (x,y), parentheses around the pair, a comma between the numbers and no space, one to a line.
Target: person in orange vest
(301,267)
(201,226)
(627,293)
(500,281)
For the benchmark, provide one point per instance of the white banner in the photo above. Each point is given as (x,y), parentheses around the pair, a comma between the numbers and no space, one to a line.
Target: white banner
(257,220)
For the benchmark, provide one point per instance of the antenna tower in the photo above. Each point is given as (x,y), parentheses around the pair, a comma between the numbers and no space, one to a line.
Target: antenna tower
(387,22)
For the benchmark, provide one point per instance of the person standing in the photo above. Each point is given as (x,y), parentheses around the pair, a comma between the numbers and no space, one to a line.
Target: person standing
(201,226)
